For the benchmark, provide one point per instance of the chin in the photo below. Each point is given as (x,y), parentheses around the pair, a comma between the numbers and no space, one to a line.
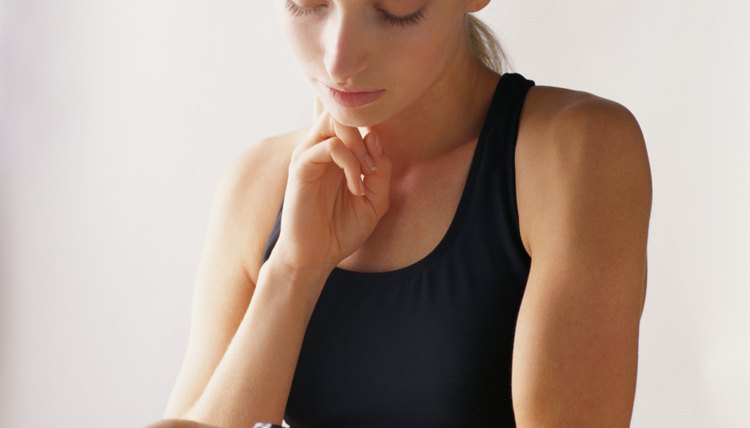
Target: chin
(360,117)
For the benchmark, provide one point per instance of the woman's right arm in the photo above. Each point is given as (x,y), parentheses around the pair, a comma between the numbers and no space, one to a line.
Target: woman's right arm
(243,210)
(253,379)
(248,324)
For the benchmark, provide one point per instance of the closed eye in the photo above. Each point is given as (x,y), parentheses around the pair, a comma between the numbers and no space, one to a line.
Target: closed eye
(297,10)
(403,21)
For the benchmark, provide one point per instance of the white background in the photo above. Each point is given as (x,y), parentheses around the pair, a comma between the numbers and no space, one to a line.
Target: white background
(118,116)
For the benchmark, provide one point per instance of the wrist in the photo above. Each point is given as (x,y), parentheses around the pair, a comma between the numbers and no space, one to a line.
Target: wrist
(306,282)
(296,272)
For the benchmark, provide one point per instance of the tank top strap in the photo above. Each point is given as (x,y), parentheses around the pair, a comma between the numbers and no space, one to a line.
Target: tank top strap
(495,156)
(502,124)
(496,174)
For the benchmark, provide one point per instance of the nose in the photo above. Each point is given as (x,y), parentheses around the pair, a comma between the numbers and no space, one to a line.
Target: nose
(345,48)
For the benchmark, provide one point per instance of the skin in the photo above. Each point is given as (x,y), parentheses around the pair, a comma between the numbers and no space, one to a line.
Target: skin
(348,44)
(583,188)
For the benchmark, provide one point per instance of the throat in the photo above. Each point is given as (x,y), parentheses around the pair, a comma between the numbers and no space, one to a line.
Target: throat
(424,201)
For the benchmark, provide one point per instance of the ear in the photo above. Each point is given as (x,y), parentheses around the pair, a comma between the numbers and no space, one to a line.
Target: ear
(475,5)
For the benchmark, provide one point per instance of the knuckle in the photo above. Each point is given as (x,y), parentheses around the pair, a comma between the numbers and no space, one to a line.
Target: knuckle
(294,167)
(298,159)
(296,152)
(333,143)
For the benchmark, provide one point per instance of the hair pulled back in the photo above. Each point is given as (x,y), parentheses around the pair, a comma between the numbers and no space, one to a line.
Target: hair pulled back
(484,45)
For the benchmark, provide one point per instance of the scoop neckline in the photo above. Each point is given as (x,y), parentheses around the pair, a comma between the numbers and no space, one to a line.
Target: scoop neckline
(457,215)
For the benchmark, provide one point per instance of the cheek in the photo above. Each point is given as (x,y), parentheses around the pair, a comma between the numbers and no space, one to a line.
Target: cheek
(302,41)
(422,54)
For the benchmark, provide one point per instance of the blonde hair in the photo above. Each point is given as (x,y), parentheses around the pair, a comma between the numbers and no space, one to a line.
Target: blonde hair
(484,45)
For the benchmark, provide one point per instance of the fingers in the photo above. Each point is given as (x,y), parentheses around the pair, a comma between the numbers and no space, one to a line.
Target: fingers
(353,140)
(317,160)
(326,127)
(334,150)
(378,185)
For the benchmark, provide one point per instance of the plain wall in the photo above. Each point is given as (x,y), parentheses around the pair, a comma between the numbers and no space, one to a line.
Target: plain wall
(118,116)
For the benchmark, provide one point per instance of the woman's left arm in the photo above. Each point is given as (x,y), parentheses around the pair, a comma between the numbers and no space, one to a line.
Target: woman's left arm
(586,224)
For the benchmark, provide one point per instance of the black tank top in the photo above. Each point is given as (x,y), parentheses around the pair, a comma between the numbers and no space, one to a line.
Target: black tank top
(430,344)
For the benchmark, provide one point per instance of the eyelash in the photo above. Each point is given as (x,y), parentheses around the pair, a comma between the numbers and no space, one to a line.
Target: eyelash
(405,21)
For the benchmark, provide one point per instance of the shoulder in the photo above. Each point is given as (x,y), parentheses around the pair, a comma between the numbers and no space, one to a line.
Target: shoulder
(582,153)
(250,190)
(257,175)
(584,201)
(261,157)
(563,118)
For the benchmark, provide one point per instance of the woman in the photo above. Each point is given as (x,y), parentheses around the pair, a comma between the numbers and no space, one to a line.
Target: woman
(446,245)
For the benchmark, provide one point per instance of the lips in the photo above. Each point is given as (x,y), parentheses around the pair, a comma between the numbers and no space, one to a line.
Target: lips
(351,98)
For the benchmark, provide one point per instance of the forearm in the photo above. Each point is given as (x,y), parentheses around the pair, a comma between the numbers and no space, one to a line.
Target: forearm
(253,379)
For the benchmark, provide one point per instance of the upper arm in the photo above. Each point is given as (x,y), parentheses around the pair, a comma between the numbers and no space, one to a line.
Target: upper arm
(243,209)
(586,224)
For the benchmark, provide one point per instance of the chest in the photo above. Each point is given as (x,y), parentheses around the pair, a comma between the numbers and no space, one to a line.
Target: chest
(431,347)
(423,206)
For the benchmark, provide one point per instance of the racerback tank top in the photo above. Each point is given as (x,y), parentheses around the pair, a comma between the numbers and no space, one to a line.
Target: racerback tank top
(430,344)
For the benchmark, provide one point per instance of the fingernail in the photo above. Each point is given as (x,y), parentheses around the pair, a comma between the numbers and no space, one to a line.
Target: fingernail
(362,188)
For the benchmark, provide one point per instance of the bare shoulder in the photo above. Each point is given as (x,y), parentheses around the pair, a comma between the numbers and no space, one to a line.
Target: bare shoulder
(559,112)
(254,183)
(572,142)
(584,201)
(263,156)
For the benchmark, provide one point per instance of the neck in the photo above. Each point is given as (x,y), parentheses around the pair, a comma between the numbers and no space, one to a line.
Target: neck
(446,116)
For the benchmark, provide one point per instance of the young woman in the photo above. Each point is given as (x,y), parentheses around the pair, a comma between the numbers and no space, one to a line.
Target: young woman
(446,245)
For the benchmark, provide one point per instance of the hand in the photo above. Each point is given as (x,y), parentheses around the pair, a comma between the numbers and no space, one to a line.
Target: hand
(329,211)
